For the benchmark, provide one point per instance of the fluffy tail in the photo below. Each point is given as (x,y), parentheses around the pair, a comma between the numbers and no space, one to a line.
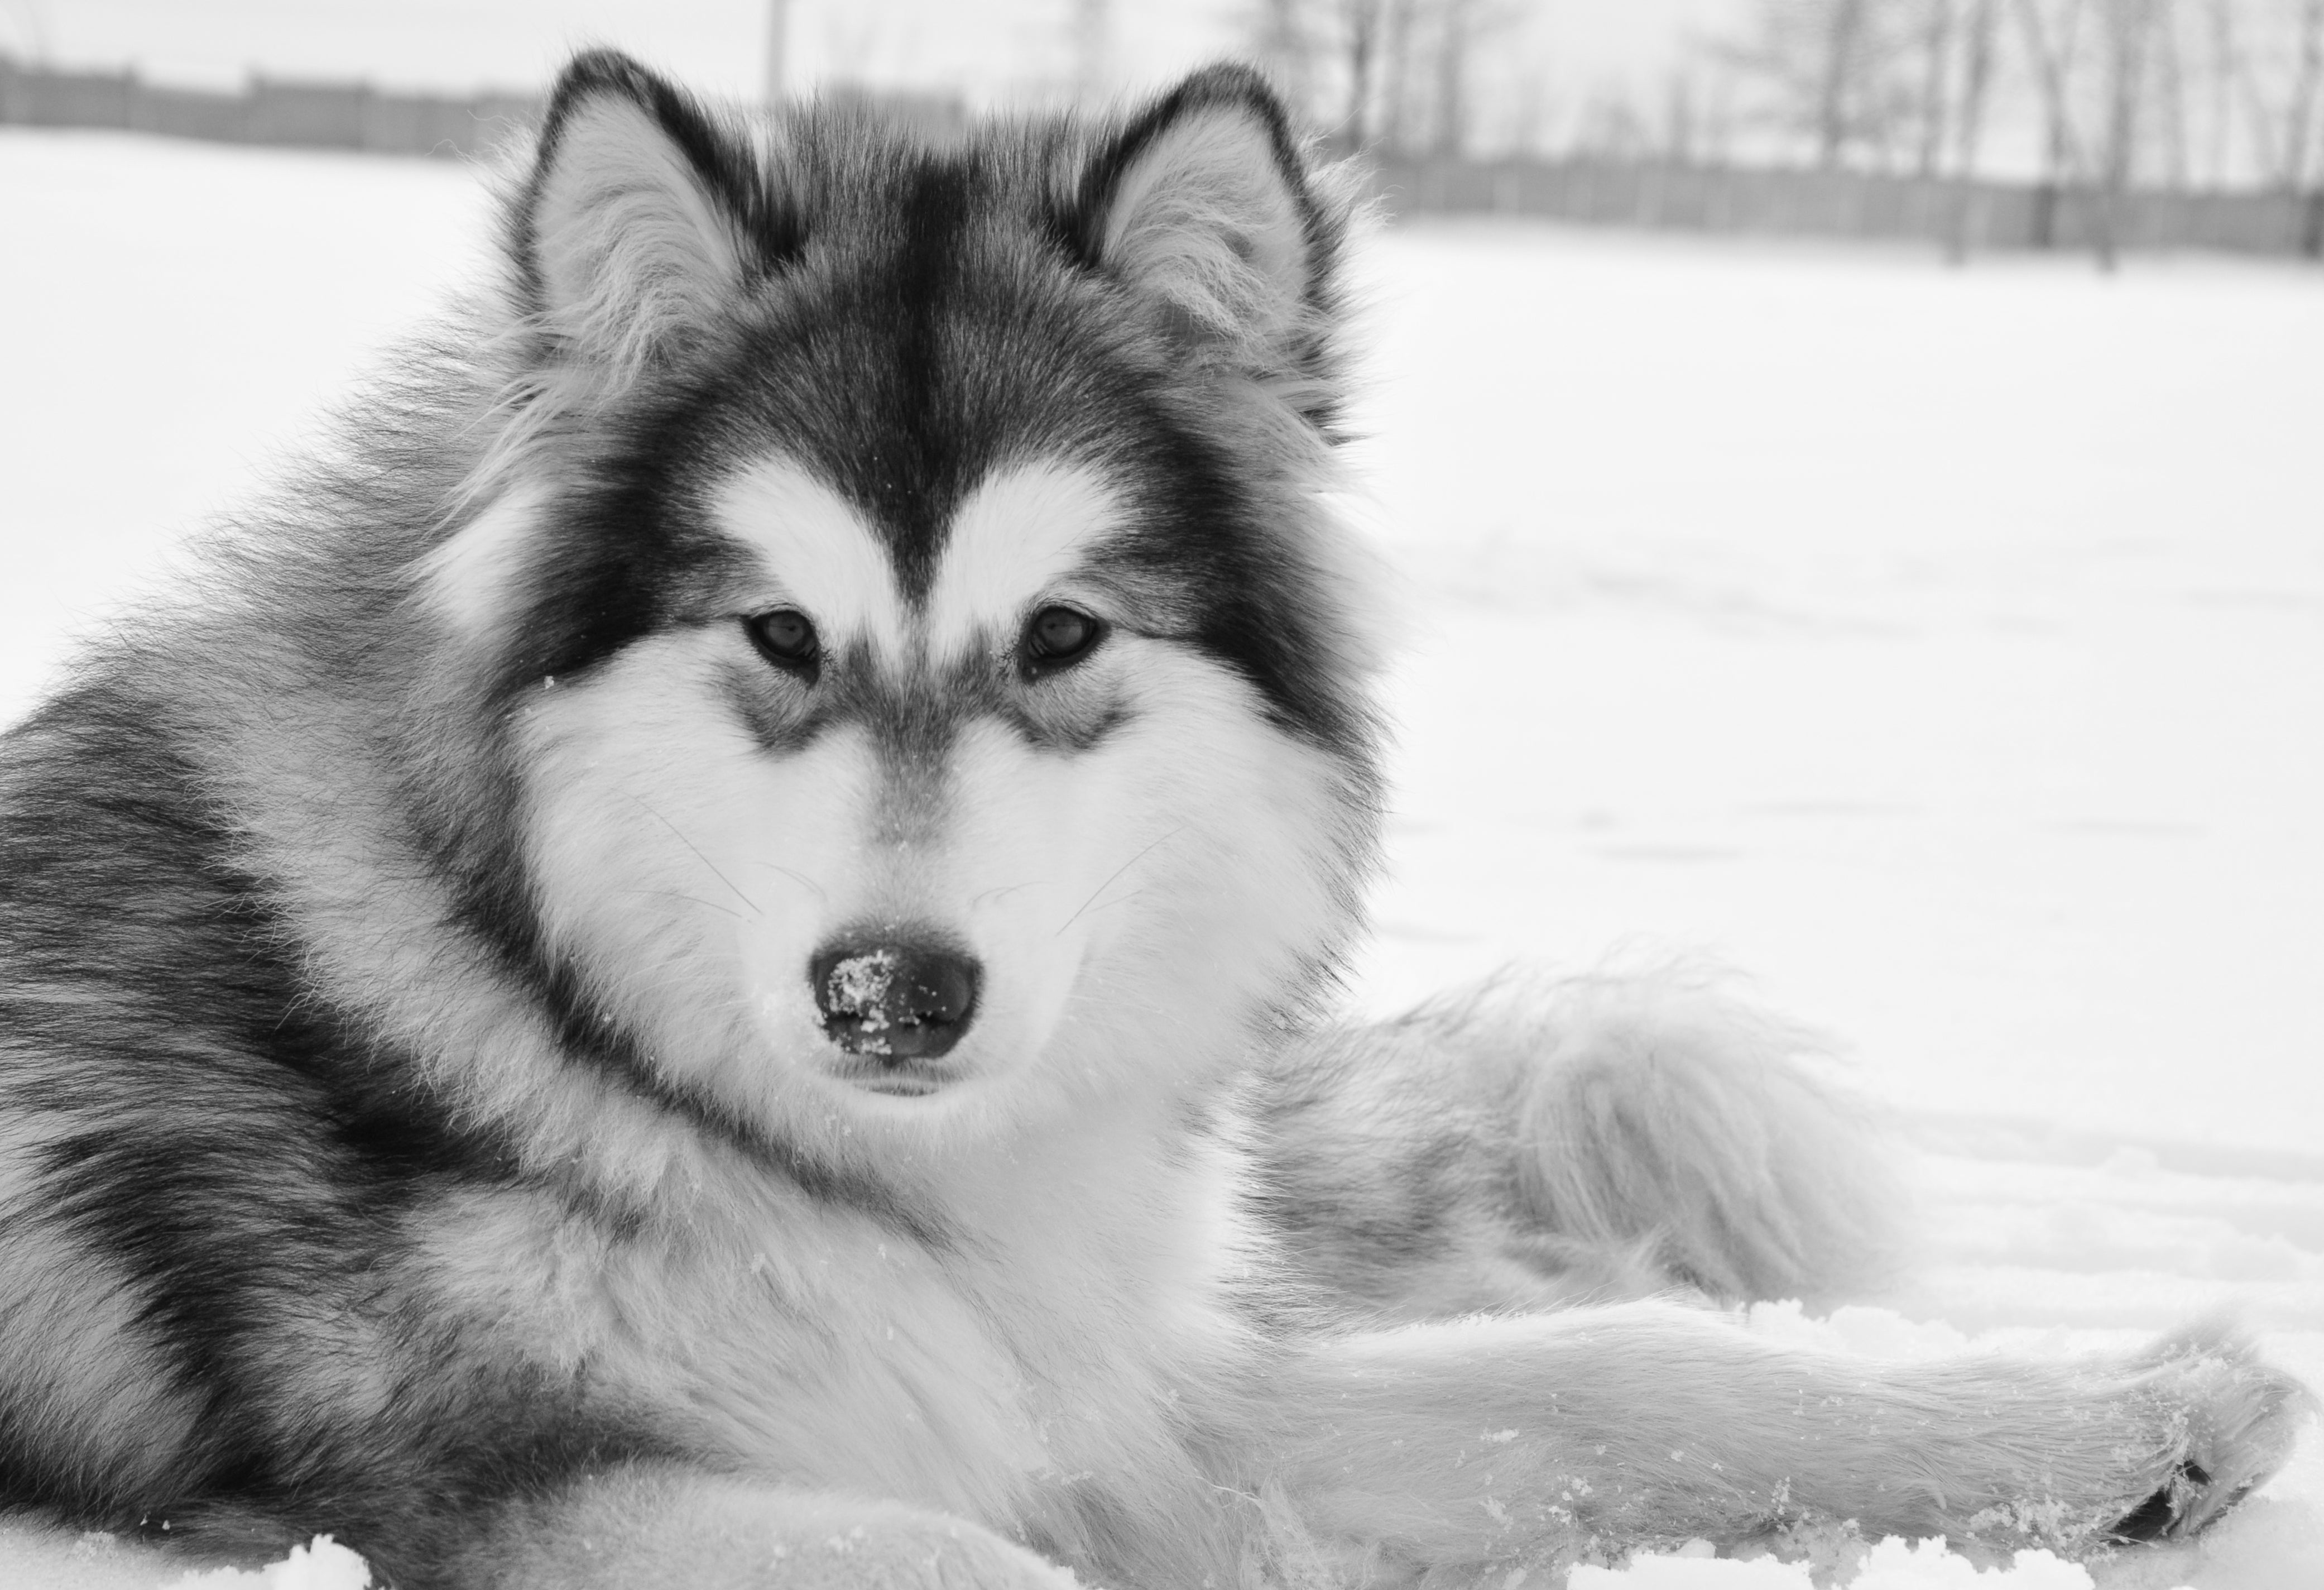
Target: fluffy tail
(1534,1142)
(1666,1116)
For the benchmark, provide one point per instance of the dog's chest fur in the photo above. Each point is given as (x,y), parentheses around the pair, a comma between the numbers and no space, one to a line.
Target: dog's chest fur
(1055,1350)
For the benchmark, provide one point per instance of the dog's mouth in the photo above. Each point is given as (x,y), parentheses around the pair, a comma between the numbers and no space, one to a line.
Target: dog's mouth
(915,1082)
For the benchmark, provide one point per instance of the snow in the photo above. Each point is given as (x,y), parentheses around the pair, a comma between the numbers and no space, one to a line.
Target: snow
(36,1559)
(1944,648)
(1889,1564)
(859,986)
(320,1565)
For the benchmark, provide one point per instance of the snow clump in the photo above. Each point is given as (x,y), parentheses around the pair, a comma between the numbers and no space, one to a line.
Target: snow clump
(321,1564)
(1894,1564)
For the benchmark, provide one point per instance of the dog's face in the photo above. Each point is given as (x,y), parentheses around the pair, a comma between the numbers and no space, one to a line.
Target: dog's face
(929,681)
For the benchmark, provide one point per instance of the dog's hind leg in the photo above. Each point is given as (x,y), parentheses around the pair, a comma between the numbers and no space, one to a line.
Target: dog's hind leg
(1534,1142)
(1484,1443)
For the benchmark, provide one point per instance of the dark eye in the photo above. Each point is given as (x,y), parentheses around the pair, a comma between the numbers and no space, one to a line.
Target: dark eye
(1059,637)
(787,639)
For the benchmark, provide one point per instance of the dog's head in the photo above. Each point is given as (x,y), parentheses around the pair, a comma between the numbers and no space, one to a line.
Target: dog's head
(925,677)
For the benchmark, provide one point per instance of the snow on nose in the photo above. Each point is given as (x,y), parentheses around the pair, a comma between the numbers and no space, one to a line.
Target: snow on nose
(894,1000)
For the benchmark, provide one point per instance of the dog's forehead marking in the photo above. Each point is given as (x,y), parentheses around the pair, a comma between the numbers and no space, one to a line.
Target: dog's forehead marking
(1023,529)
(1013,538)
(817,547)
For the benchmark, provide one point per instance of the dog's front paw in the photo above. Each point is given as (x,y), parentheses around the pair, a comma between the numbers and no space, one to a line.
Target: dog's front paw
(937,1554)
(2234,1419)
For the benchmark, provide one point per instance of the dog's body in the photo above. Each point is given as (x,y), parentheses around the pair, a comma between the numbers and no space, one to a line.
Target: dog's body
(702,967)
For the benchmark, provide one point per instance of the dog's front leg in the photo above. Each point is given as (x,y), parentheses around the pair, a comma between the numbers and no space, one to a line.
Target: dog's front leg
(1543,1437)
(650,1527)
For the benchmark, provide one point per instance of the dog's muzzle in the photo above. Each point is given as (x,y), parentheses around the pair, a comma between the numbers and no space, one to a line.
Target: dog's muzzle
(895,1000)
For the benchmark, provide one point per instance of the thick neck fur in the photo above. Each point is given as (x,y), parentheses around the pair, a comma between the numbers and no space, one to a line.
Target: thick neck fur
(1058,1363)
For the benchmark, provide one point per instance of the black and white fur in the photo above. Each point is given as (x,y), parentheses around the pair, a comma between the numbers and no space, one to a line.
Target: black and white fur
(433,1106)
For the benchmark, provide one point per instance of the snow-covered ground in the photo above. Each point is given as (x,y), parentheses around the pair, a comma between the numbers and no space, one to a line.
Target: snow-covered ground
(1943,650)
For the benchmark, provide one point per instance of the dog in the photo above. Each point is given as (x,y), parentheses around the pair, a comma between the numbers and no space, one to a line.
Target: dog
(704,957)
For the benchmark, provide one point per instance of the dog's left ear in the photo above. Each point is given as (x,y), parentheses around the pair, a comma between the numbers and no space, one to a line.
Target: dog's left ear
(1205,205)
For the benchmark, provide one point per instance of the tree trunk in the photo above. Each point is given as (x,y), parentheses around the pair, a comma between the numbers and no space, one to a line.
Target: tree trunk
(2129,27)
(1453,76)
(2300,113)
(1363,18)
(1679,119)
(1843,44)
(1286,49)
(1936,46)
(1969,127)
(2060,152)
(2171,83)
(2222,65)
(1395,80)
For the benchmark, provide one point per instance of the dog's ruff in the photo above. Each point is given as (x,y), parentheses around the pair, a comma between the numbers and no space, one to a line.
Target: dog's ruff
(701,960)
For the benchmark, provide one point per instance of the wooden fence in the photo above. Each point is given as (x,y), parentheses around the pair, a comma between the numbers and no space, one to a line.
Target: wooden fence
(1979,214)
(1634,193)
(307,115)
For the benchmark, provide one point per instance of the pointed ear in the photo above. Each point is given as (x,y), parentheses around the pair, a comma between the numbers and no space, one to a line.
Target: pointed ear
(632,228)
(1205,205)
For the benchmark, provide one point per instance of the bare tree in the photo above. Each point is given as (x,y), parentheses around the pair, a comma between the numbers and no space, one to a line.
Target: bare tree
(1936,42)
(1840,72)
(34,24)
(1360,23)
(1456,33)
(1283,39)
(2224,71)
(2127,29)
(2114,93)
(1827,72)
(1397,90)
(1714,127)
(1612,127)
(1681,119)
(1532,103)
(2170,93)
(2052,48)
(1979,43)
(2299,114)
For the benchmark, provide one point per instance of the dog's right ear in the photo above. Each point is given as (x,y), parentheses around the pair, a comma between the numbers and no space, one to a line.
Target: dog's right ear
(1206,206)
(634,224)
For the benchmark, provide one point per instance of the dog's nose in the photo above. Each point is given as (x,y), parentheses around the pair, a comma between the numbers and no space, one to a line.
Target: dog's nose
(896,1000)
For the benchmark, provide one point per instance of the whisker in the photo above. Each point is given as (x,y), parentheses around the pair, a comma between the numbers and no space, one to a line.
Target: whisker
(705,860)
(1004,889)
(1124,867)
(697,900)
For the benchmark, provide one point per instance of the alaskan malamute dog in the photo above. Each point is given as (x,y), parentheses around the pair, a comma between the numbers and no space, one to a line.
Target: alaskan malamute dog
(702,962)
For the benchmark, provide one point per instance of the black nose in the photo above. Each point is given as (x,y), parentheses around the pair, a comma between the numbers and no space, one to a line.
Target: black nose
(898,1001)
